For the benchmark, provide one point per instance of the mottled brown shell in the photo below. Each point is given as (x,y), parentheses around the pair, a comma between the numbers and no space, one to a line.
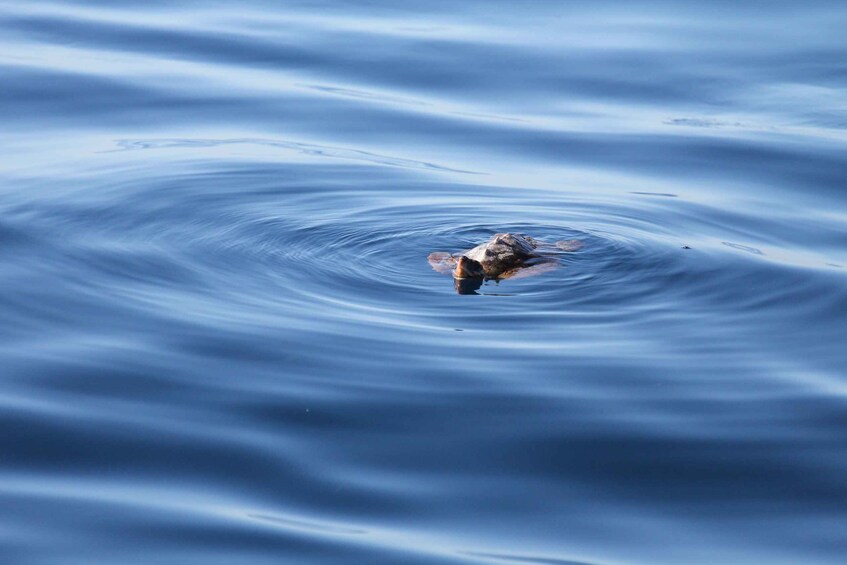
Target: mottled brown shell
(507,255)
(503,252)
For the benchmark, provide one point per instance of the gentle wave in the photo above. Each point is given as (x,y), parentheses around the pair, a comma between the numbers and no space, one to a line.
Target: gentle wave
(223,342)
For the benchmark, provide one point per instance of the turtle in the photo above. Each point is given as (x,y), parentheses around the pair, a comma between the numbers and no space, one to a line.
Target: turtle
(504,256)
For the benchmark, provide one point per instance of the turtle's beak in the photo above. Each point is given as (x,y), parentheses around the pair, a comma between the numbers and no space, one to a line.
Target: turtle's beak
(468,269)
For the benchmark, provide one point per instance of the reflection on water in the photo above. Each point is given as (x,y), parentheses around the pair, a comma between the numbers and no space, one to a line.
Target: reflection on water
(467,286)
(222,343)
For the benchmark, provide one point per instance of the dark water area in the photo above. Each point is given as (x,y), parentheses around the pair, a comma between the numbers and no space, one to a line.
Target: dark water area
(222,341)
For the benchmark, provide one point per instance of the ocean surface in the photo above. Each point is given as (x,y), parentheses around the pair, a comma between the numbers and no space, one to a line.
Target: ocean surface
(222,342)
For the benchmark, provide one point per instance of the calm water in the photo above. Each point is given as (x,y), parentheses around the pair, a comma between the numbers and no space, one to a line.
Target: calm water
(222,342)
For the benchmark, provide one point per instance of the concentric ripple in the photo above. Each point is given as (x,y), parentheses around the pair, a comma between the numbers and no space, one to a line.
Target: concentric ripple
(222,342)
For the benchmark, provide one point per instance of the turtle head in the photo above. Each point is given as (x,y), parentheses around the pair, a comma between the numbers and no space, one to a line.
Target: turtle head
(467,268)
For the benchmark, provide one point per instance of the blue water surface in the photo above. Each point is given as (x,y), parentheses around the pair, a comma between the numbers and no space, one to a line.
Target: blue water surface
(221,340)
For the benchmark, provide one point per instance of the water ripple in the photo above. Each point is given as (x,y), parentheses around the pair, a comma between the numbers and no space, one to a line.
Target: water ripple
(223,343)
